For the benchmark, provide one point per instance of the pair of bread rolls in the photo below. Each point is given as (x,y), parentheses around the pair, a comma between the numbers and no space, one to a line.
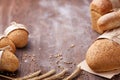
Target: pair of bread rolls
(105,15)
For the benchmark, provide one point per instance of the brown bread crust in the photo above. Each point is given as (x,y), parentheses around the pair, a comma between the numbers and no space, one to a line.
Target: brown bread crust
(9,62)
(103,55)
(109,21)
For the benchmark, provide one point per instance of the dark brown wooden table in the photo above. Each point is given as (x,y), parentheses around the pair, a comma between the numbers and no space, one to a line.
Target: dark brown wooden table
(56,27)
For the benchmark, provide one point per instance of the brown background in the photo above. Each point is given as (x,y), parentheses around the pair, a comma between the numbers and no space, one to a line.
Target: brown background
(54,26)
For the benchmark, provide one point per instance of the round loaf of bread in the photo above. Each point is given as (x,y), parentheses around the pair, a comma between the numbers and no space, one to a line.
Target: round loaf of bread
(103,55)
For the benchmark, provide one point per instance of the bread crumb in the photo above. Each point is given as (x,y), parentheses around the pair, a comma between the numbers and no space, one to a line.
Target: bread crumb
(60,67)
(61,58)
(50,56)
(67,62)
(25,61)
(57,62)
(72,46)
(58,55)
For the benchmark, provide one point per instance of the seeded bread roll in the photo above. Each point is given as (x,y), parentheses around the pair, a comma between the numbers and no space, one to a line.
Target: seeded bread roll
(103,55)
(99,8)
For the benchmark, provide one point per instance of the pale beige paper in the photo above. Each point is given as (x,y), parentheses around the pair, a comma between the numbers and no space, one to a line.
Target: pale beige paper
(113,35)
(14,26)
(6,47)
(1,52)
(2,36)
(84,66)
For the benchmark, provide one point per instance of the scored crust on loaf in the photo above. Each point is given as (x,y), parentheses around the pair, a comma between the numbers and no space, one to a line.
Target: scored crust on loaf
(103,55)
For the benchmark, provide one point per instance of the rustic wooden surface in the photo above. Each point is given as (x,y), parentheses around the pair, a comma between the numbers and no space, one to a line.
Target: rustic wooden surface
(54,26)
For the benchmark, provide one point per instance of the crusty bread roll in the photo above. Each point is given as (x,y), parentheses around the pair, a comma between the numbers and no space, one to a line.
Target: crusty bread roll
(99,8)
(109,21)
(103,55)
(17,33)
(5,41)
(8,61)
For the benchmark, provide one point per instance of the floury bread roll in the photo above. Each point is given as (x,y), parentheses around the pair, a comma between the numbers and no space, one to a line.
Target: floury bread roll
(104,53)
(99,8)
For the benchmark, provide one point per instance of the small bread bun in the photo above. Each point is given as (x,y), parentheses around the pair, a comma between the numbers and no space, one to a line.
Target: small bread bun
(103,55)
(8,61)
(18,34)
(5,41)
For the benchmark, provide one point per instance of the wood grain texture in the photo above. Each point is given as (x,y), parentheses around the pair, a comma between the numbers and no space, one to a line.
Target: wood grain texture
(56,27)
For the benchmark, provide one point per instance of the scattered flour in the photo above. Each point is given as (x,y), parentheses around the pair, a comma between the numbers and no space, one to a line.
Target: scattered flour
(66,20)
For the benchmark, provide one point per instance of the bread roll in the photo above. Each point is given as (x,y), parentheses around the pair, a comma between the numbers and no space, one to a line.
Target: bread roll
(99,8)
(8,61)
(109,21)
(103,55)
(18,33)
(5,41)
